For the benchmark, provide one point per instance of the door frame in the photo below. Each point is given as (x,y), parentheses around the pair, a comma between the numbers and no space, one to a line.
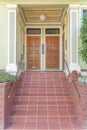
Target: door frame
(26,44)
(44,37)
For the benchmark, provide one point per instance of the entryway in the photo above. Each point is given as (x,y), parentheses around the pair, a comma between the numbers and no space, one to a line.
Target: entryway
(43,49)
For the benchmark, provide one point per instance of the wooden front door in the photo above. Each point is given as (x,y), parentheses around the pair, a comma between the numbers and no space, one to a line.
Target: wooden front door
(33,52)
(52,52)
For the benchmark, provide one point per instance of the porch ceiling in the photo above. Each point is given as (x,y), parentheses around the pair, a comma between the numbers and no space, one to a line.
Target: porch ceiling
(53,13)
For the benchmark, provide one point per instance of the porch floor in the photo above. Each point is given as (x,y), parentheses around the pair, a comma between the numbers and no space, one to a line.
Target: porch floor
(43,102)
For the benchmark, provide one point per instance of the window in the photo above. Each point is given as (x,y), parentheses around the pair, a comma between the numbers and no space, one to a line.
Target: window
(52,31)
(33,31)
(84,12)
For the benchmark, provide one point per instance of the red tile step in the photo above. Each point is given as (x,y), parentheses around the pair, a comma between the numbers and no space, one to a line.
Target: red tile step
(36,79)
(40,93)
(56,125)
(42,98)
(21,116)
(20,106)
(61,89)
(43,102)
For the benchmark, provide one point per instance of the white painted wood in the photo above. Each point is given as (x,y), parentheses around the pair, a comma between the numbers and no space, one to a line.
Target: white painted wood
(74,36)
(60,50)
(10,11)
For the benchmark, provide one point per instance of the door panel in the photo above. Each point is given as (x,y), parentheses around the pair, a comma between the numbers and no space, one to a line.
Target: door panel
(33,52)
(52,52)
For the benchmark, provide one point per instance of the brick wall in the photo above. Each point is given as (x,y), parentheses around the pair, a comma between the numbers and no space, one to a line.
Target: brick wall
(80,103)
(5,103)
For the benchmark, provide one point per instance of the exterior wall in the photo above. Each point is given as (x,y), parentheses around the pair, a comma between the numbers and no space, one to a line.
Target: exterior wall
(6,102)
(3,36)
(20,41)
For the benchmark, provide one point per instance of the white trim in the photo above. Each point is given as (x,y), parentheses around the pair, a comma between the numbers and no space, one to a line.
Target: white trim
(42,23)
(15,40)
(25,50)
(60,50)
(26,45)
(11,6)
(44,50)
(70,37)
(41,52)
(8,35)
(83,7)
(74,6)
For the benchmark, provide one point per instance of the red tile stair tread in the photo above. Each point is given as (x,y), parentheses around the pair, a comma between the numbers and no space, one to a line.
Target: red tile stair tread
(44,113)
(47,103)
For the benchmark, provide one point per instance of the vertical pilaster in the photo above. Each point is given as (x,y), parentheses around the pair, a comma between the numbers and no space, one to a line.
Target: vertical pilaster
(12,34)
(74,33)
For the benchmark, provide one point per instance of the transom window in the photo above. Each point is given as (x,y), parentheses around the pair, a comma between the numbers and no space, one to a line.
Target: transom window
(52,31)
(33,31)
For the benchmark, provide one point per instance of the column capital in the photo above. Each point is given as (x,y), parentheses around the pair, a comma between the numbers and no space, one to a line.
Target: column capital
(11,6)
(74,6)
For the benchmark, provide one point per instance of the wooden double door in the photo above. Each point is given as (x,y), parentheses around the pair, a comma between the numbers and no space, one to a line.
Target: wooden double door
(34,52)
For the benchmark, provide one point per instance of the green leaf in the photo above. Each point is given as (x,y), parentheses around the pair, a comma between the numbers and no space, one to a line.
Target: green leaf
(83,37)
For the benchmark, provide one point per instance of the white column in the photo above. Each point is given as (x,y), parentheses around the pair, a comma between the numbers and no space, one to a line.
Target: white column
(12,34)
(74,33)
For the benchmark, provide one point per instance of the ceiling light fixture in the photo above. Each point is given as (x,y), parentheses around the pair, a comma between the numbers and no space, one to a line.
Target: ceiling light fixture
(42,17)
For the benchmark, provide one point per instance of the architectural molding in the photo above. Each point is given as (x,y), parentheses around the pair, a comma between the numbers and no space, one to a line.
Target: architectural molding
(74,6)
(12,6)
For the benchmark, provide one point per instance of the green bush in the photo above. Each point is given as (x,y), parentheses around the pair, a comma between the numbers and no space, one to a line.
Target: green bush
(83,37)
(6,77)
(82,79)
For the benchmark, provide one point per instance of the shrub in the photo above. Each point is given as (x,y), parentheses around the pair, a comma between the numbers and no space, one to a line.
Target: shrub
(83,37)
(6,77)
(82,79)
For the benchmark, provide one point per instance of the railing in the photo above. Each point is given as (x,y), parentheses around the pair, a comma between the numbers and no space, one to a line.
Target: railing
(75,87)
(11,89)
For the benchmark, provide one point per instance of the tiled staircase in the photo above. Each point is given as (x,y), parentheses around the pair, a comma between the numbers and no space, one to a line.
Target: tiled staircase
(43,102)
